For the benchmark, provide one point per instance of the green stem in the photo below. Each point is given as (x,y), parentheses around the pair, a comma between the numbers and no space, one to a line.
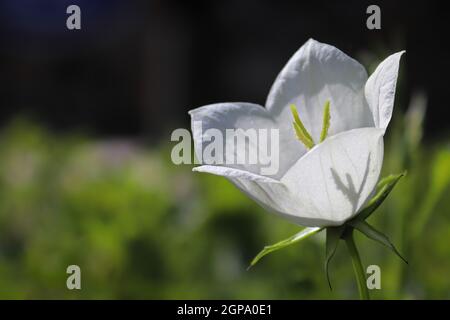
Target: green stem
(357,266)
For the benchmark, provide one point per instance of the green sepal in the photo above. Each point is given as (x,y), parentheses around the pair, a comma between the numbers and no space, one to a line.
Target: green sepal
(384,187)
(376,235)
(305,233)
(333,236)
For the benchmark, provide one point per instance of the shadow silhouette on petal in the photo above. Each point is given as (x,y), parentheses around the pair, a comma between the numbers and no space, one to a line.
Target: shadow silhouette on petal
(349,190)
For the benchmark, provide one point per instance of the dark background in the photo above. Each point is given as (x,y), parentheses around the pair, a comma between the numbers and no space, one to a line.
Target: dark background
(136,67)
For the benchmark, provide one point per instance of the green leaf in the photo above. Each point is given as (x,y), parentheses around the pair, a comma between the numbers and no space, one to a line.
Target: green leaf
(300,130)
(305,233)
(333,236)
(384,187)
(326,121)
(376,235)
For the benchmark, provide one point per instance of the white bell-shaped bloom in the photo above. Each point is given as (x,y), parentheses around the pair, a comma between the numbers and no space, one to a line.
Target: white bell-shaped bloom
(331,182)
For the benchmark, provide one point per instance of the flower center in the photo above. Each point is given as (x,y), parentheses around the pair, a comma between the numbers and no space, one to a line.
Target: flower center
(303,134)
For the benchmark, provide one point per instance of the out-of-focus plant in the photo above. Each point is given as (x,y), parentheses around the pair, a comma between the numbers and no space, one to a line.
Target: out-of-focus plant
(138,228)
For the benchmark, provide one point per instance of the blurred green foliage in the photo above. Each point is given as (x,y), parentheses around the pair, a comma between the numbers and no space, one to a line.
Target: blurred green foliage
(141,227)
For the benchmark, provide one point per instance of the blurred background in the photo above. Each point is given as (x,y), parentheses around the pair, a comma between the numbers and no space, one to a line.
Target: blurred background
(85,170)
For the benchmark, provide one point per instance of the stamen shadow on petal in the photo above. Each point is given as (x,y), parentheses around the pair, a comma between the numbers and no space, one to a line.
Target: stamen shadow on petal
(349,190)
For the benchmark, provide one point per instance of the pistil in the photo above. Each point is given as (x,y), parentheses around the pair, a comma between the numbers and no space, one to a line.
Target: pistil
(302,133)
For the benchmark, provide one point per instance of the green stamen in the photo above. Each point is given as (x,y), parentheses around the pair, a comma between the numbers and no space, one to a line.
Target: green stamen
(326,121)
(300,130)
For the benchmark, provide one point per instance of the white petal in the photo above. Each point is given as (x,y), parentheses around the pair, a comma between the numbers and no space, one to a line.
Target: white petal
(235,173)
(335,179)
(271,194)
(251,118)
(380,90)
(316,73)
(326,187)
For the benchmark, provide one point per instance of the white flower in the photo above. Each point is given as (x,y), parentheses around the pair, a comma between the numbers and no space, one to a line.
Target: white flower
(331,182)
